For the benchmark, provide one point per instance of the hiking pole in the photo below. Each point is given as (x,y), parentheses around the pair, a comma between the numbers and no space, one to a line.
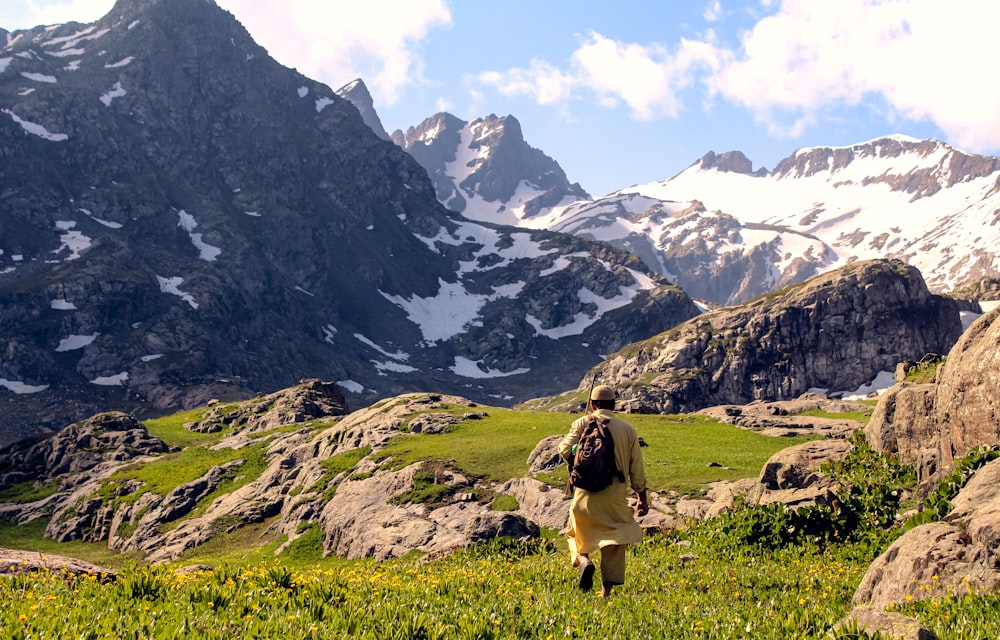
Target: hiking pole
(569,463)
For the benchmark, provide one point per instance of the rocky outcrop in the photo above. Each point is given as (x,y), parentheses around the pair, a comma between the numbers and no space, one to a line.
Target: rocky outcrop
(791,477)
(782,418)
(835,332)
(105,438)
(309,400)
(930,425)
(904,423)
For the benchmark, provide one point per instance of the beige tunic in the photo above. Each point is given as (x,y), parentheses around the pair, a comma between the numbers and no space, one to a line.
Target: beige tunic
(604,518)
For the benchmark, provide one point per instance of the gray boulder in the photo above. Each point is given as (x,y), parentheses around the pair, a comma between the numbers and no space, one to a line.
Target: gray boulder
(930,425)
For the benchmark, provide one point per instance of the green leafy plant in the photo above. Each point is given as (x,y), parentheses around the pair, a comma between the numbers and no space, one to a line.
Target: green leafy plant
(937,504)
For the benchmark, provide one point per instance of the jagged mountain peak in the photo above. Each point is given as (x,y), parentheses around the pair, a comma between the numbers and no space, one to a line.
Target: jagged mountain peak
(356,92)
(485,169)
(730,162)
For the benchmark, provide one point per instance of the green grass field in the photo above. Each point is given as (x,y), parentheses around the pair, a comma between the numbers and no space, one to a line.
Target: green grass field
(679,451)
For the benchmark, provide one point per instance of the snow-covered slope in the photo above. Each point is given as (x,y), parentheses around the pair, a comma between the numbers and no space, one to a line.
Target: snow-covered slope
(923,201)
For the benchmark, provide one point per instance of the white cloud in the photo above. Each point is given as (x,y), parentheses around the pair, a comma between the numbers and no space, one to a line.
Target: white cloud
(37,12)
(378,40)
(647,78)
(543,81)
(921,58)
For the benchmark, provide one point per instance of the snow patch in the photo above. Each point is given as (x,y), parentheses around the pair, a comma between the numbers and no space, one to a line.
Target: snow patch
(39,77)
(351,386)
(21,388)
(395,367)
(116,92)
(74,342)
(62,305)
(124,62)
(36,129)
(72,240)
(173,287)
(106,223)
(476,369)
(205,251)
(111,381)
(323,103)
(329,331)
(303,92)
(398,355)
(443,315)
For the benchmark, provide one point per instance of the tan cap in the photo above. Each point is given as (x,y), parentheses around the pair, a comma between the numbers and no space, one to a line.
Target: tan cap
(602,392)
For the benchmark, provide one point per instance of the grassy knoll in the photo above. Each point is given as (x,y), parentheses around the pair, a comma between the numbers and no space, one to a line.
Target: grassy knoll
(678,456)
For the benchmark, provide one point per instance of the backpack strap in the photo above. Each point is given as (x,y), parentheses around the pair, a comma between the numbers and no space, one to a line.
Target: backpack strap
(604,423)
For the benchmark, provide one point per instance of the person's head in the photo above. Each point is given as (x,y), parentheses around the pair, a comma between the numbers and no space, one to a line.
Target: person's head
(603,397)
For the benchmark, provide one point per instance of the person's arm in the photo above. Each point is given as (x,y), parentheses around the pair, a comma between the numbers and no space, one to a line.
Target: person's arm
(642,506)
(571,438)
(637,477)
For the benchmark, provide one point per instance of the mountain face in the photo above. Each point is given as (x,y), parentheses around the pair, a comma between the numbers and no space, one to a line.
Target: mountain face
(833,333)
(182,218)
(485,170)
(921,201)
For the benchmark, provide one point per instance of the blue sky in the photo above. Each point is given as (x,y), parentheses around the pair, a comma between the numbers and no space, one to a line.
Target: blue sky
(635,91)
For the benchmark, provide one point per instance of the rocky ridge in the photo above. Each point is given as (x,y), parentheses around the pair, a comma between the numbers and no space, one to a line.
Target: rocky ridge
(835,333)
(727,233)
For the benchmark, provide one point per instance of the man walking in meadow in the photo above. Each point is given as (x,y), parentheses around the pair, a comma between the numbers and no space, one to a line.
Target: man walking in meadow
(600,518)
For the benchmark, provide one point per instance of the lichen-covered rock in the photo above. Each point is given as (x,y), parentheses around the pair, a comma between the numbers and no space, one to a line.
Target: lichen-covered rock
(929,561)
(959,555)
(967,404)
(792,477)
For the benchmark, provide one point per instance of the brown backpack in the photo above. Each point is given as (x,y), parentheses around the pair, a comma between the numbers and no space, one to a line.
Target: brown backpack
(594,466)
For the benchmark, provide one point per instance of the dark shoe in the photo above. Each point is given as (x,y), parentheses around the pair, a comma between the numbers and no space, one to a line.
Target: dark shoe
(606,589)
(586,574)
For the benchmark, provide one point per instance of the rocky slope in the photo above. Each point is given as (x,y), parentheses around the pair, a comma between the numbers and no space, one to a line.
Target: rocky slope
(182,219)
(834,333)
(295,460)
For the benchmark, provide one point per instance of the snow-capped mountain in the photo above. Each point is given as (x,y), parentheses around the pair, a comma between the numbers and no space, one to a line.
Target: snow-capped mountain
(922,201)
(486,171)
(727,233)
